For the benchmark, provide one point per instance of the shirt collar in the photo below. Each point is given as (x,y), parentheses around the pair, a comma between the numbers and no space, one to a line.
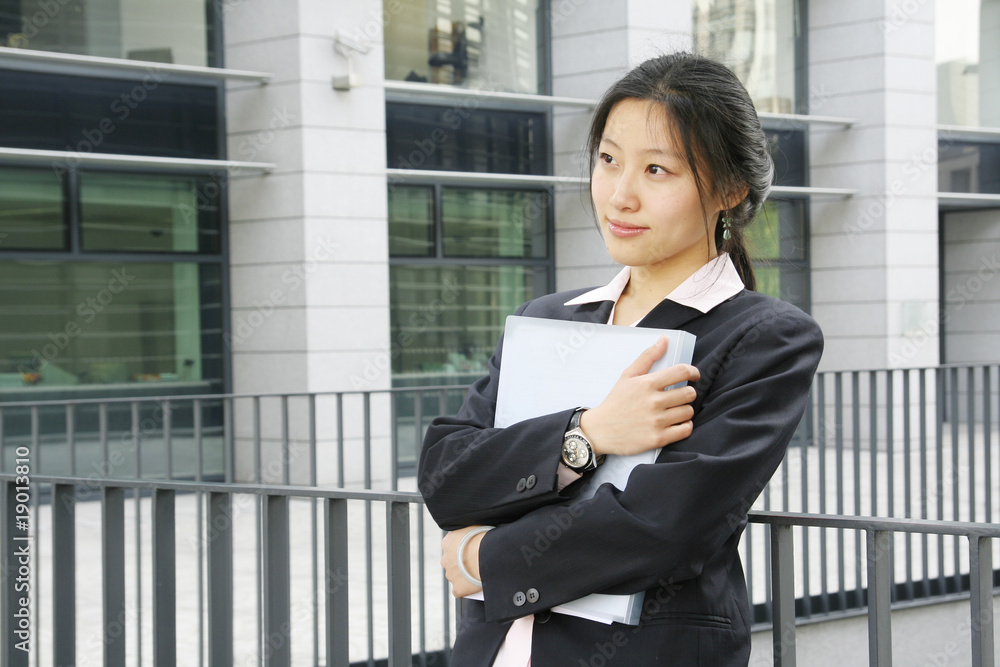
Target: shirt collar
(705,289)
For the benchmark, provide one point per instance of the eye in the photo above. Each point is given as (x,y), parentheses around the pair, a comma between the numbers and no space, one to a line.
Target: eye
(657,170)
(605,158)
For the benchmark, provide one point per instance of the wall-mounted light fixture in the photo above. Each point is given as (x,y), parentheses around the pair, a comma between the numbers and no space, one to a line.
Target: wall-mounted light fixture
(347,46)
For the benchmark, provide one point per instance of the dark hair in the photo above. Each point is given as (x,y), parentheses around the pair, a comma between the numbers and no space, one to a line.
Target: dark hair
(713,117)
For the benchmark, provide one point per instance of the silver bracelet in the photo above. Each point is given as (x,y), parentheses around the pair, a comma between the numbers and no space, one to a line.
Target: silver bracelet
(460,553)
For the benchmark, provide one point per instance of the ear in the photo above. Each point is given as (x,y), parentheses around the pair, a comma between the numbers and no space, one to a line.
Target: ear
(734,197)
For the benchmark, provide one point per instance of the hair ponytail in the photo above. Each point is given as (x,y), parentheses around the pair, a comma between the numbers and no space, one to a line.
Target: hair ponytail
(730,238)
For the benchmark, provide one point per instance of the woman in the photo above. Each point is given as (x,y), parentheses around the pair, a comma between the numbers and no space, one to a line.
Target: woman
(680,166)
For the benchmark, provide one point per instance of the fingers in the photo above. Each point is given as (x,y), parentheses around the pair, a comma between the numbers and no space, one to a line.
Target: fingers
(646,358)
(674,375)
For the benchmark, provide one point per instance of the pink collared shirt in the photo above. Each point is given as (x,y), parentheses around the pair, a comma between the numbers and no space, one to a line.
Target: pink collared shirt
(705,289)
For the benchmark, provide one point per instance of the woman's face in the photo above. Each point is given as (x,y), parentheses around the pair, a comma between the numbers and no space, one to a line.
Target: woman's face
(648,206)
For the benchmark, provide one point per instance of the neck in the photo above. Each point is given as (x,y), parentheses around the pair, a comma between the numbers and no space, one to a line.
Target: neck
(655,281)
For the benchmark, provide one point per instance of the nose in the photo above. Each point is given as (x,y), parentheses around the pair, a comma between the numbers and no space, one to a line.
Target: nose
(624,197)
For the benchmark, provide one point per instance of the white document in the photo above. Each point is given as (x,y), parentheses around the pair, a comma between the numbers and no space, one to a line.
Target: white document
(552,365)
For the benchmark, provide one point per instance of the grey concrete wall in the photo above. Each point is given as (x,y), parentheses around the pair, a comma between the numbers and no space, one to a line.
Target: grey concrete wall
(875,255)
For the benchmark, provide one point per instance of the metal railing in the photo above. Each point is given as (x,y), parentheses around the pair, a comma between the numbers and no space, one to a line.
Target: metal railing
(916,443)
(279,617)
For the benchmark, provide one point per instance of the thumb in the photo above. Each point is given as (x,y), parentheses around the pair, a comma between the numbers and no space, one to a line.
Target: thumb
(646,359)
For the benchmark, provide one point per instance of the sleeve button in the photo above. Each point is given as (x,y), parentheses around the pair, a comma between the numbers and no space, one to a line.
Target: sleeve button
(532,595)
(519,599)
(521,485)
(530,482)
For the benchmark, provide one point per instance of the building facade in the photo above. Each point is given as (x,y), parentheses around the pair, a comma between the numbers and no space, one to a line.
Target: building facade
(249,196)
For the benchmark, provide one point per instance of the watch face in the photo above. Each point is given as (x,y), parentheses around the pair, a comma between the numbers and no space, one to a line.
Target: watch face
(576,453)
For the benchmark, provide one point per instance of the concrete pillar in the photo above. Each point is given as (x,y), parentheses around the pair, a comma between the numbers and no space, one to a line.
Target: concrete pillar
(308,242)
(875,256)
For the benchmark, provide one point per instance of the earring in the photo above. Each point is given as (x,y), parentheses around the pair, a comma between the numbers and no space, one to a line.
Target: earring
(726,222)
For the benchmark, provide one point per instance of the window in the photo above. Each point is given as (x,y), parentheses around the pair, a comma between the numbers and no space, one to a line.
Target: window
(168,32)
(468,43)
(110,323)
(449,300)
(777,244)
(118,284)
(465,138)
(31,210)
(760,41)
(968,62)
(81,115)
(969,167)
(129,212)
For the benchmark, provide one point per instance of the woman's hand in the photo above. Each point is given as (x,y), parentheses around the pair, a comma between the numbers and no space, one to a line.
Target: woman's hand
(449,548)
(637,415)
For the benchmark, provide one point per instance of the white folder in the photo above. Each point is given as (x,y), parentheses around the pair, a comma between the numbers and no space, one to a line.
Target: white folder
(553,365)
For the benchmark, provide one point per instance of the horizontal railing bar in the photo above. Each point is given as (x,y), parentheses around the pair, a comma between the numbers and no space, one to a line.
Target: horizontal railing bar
(920,526)
(5,405)
(219,397)
(223,487)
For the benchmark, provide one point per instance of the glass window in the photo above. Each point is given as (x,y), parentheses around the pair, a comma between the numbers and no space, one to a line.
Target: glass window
(789,154)
(469,43)
(167,32)
(494,223)
(777,244)
(446,320)
(758,40)
(968,167)
(967,47)
(459,139)
(83,115)
(31,210)
(411,221)
(143,213)
(98,323)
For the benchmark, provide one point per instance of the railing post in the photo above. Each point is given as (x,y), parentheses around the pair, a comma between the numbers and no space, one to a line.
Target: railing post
(277,600)
(783,595)
(335,585)
(398,545)
(879,582)
(113,562)
(220,580)
(63,575)
(164,580)
(981,600)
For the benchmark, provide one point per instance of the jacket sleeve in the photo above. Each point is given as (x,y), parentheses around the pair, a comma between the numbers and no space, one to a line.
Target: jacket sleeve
(676,513)
(472,473)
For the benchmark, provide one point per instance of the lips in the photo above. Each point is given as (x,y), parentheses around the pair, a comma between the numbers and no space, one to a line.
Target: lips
(624,230)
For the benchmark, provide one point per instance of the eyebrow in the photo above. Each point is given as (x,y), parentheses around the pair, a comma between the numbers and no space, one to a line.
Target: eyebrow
(648,151)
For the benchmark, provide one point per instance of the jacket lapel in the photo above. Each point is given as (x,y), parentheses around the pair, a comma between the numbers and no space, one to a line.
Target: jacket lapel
(669,315)
(597,312)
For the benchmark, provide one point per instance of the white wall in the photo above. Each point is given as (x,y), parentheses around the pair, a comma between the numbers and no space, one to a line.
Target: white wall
(309,248)
(875,255)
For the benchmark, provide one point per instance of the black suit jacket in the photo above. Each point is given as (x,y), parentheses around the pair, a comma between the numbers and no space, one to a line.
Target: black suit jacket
(672,532)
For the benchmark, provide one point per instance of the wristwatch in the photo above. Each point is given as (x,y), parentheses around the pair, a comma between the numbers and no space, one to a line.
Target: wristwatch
(577,453)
